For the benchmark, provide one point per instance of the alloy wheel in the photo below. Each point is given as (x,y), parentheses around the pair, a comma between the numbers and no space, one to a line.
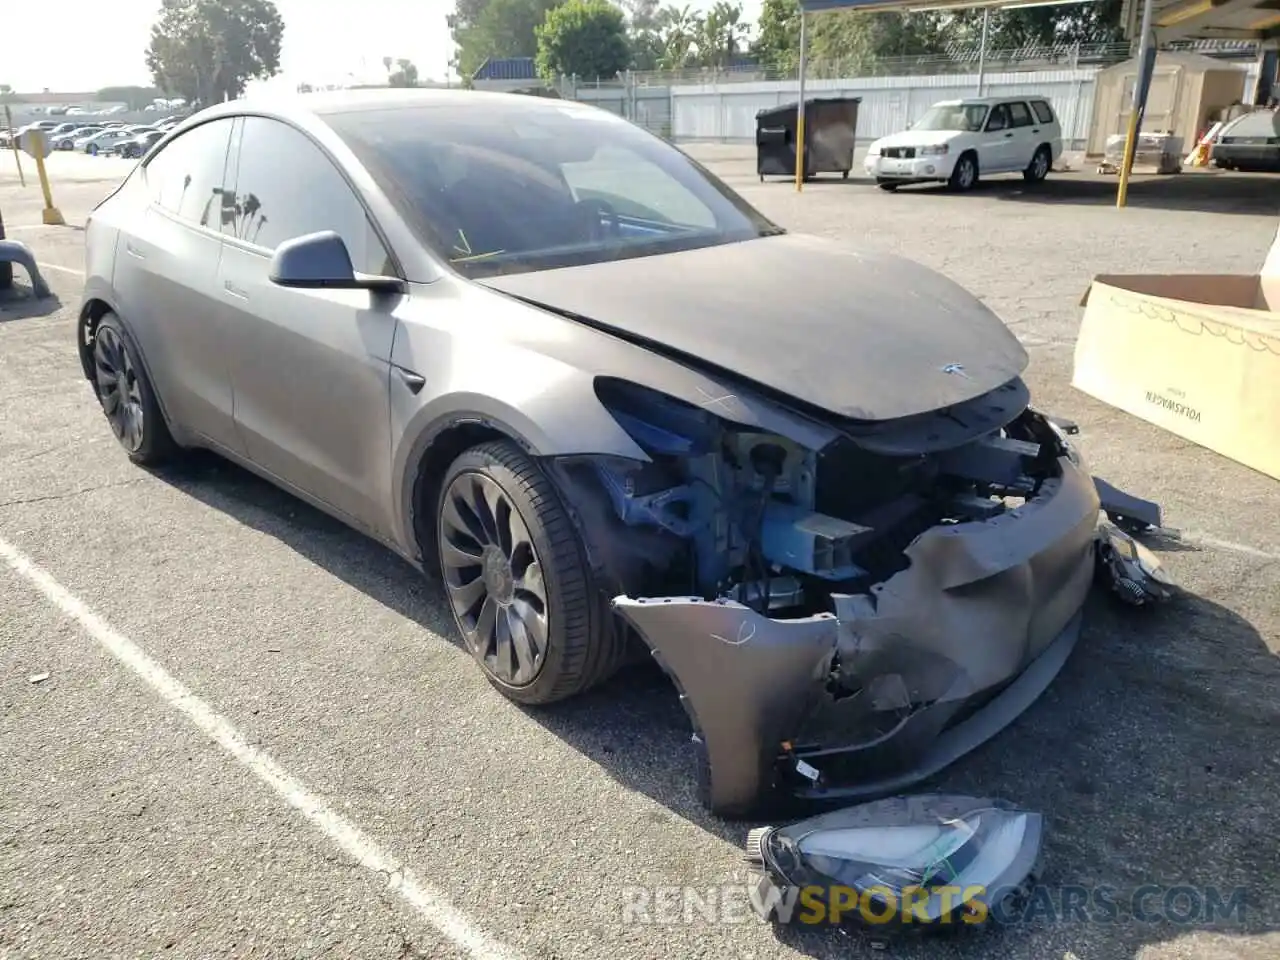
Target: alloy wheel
(118,388)
(1041,168)
(966,173)
(494,579)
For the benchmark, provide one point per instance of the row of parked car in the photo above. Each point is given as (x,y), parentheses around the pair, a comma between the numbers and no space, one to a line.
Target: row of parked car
(103,138)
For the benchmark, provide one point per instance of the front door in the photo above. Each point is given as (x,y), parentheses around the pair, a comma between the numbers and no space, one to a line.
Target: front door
(309,368)
(995,148)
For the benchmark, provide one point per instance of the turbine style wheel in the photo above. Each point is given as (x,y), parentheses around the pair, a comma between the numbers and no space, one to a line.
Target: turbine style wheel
(118,389)
(519,586)
(126,396)
(494,579)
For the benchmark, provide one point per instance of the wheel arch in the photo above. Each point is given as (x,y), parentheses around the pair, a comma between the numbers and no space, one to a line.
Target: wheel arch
(431,453)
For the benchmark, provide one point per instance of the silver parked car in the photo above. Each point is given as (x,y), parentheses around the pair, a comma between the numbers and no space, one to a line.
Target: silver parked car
(546,355)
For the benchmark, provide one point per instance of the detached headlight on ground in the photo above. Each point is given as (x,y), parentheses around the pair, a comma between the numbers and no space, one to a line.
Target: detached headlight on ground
(921,860)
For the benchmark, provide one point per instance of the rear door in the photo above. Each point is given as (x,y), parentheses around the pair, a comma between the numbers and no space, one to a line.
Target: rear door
(310,368)
(1047,121)
(166,278)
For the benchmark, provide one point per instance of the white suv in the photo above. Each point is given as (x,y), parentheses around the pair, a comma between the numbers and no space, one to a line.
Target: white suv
(957,140)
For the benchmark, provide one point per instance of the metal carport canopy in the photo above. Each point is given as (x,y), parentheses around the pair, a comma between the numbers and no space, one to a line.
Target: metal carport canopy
(1153,21)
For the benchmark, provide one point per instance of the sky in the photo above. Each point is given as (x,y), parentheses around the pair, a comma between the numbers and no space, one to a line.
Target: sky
(325,41)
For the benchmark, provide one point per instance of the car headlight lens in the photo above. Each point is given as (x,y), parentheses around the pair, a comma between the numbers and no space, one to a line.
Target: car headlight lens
(934,150)
(921,860)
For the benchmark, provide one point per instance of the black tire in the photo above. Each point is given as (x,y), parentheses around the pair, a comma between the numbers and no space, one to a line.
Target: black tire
(1039,166)
(581,646)
(117,366)
(844,174)
(6,268)
(884,184)
(964,176)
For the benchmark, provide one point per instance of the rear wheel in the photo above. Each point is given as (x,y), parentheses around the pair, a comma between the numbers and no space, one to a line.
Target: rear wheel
(517,580)
(965,174)
(126,395)
(1038,168)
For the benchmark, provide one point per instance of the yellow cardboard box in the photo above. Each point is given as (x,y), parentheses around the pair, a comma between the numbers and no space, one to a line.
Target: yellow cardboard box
(1198,355)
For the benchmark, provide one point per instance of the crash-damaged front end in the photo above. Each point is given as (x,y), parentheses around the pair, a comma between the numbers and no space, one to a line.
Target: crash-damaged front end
(844,619)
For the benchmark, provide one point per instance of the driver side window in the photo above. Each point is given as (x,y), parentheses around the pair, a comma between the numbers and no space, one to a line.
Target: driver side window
(286,187)
(999,118)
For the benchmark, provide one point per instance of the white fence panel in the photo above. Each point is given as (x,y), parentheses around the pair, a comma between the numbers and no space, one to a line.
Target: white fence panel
(727,111)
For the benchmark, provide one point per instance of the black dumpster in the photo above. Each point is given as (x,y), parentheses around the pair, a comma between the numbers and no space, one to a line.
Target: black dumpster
(829,127)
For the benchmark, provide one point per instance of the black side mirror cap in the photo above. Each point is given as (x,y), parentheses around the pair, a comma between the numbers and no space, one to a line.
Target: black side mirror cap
(321,261)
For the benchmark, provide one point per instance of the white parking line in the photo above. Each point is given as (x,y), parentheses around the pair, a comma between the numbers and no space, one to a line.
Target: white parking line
(60,268)
(430,904)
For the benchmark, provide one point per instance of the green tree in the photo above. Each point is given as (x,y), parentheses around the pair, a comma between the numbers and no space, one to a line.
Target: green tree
(679,29)
(404,75)
(586,38)
(777,45)
(643,34)
(721,35)
(1098,22)
(485,29)
(207,50)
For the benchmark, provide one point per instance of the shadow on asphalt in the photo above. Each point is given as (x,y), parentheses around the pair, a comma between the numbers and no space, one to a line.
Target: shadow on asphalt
(1153,755)
(1250,194)
(18,303)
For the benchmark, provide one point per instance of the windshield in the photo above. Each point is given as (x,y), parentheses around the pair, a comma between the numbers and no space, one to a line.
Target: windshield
(1262,123)
(509,188)
(966,117)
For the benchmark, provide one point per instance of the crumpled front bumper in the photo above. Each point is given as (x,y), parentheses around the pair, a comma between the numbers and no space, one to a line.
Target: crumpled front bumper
(897,683)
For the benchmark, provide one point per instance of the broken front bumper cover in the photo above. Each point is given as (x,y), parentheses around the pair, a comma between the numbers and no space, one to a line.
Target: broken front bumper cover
(895,685)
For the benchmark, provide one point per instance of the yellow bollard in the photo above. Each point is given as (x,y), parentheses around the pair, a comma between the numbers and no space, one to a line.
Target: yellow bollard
(13,142)
(52,216)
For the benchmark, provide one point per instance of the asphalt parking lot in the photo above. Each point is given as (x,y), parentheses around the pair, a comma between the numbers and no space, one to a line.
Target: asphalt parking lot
(136,819)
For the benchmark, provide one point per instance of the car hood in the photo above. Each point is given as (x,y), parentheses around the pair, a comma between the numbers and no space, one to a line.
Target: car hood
(918,138)
(867,336)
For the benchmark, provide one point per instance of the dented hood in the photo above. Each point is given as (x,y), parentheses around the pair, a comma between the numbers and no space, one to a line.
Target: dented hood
(867,336)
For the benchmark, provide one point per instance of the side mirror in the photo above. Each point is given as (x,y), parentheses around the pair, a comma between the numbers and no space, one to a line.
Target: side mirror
(321,261)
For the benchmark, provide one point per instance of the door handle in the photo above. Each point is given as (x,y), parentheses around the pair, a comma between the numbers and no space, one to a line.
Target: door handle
(133,251)
(1010,134)
(1036,130)
(235,291)
(414,381)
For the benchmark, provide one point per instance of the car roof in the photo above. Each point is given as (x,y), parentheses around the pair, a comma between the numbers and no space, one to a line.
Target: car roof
(989,101)
(327,103)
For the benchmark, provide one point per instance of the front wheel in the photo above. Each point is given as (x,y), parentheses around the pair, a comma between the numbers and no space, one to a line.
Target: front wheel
(1038,168)
(517,579)
(884,184)
(965,174)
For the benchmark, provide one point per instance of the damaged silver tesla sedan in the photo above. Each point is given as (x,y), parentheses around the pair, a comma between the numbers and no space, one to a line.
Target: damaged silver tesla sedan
(526,343)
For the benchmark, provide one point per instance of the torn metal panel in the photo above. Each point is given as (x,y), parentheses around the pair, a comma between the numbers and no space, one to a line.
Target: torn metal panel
(873,686)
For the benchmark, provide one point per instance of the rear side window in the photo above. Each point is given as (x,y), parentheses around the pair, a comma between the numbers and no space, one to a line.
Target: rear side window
(287,187)
(1044,113)
(186,178)
(1019,115)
